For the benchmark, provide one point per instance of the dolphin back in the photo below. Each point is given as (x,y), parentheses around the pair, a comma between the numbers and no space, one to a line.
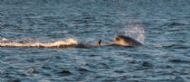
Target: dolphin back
(130,40)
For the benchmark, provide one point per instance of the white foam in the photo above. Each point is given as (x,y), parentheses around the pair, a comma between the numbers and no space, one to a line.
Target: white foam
(67,42)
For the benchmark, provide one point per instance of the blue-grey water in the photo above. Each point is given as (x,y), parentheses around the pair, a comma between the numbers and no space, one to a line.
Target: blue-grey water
(165,56)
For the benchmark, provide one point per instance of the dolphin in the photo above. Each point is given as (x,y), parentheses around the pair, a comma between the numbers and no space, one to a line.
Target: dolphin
(126,41)
(121,40)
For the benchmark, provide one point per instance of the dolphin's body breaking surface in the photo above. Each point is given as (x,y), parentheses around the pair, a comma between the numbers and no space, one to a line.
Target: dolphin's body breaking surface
(121,40)
(126,41)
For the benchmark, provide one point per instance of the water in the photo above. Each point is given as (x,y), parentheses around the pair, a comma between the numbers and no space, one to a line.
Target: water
(165,56)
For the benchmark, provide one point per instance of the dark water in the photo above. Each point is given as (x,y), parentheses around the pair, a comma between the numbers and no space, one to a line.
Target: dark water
(164,58)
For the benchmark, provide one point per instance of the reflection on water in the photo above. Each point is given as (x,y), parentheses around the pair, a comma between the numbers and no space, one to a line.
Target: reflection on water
(164,58)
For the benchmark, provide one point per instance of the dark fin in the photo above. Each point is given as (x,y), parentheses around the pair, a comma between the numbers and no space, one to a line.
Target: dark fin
(99,43)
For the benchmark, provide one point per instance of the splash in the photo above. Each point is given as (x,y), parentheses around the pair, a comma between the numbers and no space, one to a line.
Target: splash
(70,41)
(136,31)
(57,44)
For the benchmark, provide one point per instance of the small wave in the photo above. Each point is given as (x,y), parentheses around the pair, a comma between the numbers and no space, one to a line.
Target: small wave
(175,46)
(175,23)
(179,61)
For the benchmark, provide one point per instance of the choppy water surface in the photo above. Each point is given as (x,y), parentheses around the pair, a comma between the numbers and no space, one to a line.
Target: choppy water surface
(164,58)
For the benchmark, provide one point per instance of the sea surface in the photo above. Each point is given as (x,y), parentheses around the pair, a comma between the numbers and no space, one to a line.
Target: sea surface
(162,25)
